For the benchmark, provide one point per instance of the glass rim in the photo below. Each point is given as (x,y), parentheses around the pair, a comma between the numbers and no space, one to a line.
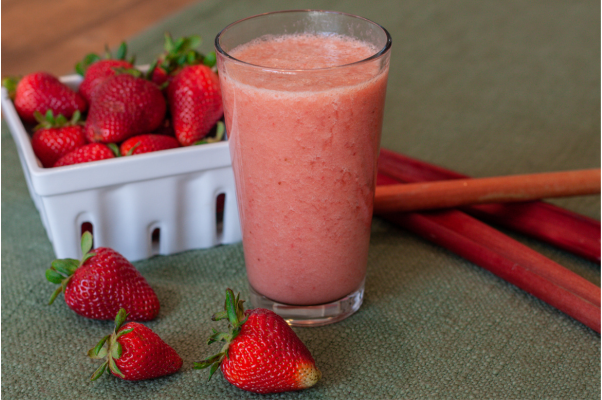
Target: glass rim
(378,54)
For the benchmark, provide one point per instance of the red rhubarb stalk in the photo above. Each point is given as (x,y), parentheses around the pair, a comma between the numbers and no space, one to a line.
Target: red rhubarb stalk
(455,193)
(506,258)
(569,231)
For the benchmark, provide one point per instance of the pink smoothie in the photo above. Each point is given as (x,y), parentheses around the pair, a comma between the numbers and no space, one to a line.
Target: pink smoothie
(304,146)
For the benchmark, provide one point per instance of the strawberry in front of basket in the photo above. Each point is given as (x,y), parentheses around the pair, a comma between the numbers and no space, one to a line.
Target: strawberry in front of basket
(102,283)
(261,354)
(147,143)
(86,153)
(41,92)
(96,70)
(133,352)
(195,102)
(56,136)
(125,105)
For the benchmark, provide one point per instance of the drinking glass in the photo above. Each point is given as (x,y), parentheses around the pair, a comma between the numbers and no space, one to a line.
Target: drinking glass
(304,139)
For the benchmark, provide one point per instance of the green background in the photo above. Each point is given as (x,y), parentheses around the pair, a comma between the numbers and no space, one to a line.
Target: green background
(482,87)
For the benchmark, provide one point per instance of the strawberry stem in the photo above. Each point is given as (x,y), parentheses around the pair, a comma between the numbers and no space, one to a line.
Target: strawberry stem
(61,271)
(114,149)
(113,349)
(235,313)
(10,84)
(91,58)
(48,120)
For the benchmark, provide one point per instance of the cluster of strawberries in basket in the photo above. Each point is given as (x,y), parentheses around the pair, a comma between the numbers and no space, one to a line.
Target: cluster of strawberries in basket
(176,102)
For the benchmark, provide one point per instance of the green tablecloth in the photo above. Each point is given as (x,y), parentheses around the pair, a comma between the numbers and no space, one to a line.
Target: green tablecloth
(482,87)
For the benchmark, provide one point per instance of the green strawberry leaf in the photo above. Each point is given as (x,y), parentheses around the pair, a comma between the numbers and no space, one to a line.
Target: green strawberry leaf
(114,369)
(220,129)
(121,51)
(54,277)
(86,243)
(76,117)
(131,151)
(210,59)
(49,116)
(88,60)
(179,43)
(231,308)
(102,353)
(182,59)
(99,351)
(194,41)
(169,44)
(116,351)
(79,68)
(120,318)
(218,337)
(39,117)
(219,316)
(65,266)
(123,332)
(98,373)
(208,361)
(114,149)
(86,257)
(191,57)
(60,120)
(213,369)
(10,84)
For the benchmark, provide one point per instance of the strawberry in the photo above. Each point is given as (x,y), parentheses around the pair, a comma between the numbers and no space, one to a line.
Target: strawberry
(96,70)
(195,102)
(160,77)
(41,92)
(55,137)
(86,153)
(134,352)
(124,105)
(147,143)
(177,55)
(262,354)
(101,283)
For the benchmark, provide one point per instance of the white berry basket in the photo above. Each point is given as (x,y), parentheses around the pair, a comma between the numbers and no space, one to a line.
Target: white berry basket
(155,203)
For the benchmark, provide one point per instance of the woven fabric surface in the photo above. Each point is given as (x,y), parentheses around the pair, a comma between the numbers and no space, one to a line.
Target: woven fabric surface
(482,87)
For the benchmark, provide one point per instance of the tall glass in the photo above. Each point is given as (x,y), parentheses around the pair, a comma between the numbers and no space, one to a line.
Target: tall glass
(304,137)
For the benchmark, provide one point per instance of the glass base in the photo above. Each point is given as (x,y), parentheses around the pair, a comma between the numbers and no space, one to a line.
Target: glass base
(318,315)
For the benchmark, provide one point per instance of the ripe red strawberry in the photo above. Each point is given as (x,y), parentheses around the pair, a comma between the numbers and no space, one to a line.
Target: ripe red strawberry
(96,70)
(124,105)
(147,143)
(134,352)
(178,53)
(55,137)
(101,283)
(97,73)
(41,92)
(195,102)
(86,153)
(262,353)
(160,76)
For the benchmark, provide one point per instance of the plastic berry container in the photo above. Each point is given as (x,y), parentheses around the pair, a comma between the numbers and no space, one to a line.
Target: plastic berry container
(163,203)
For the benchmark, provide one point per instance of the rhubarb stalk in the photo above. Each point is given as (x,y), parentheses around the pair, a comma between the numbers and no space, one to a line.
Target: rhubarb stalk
(565,229)
(506,258)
